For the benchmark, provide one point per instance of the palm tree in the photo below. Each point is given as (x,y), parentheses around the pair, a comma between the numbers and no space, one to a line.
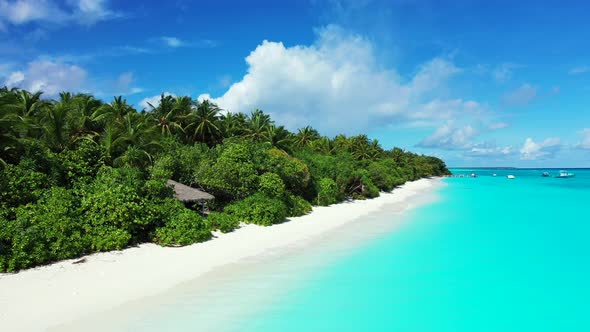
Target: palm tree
(55,125)
(233,124)
(398,155)
(138,131)
(204,123)
(134,137)
(111,140)
(168,124)
(133,157)
(165,105)
(183,106)
(65,97)
(115,110)
(375,150)
(259,116)
(165,115)
(27,107)
(361,149)
(29,104)
(71,118)
(257,126)
(323,145)
(305,136)
(279,137)
(86,116)
(342,143)
(10,125)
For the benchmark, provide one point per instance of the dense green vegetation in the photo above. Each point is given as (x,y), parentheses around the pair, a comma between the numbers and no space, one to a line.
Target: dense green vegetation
(79,176)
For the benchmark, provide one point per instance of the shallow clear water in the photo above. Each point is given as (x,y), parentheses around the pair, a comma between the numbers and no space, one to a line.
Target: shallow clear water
(492,254)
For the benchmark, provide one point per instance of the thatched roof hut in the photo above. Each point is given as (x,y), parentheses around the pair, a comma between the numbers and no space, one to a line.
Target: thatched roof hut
(188,194)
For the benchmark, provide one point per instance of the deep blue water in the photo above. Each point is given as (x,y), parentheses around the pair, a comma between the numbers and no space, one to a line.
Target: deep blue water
(491,254)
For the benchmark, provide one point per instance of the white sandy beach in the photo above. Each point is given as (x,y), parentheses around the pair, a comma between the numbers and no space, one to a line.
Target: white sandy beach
(41,298)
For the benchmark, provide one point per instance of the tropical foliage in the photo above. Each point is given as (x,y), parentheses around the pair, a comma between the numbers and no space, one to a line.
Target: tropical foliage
(78,175)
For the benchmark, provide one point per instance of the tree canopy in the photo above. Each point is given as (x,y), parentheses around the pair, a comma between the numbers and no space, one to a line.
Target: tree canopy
(79,175)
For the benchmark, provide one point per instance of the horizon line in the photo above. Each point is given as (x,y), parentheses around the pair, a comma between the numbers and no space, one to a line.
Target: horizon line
(512,167)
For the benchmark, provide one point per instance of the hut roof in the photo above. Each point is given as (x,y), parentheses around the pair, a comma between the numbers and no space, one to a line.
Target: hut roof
(189,194)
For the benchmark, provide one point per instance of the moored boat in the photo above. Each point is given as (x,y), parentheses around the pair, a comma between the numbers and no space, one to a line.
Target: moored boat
(565,174)
(511,177)
(545,174)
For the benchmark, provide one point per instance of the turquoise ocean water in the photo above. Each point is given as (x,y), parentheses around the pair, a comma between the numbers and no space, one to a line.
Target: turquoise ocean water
(491,254)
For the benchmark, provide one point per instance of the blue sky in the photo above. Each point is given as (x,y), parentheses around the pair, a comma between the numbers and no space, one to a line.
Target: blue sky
(478,83)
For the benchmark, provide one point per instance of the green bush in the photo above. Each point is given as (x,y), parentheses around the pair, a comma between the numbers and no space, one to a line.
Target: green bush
(297,206)
(183,228)
(20,184)
(108,237)
(188,158)
(47,231)
(340,168)
(370,190)
(271,185)
(233,174)
(258,209)
(382,174)
(81,163)
(294,172)
(397,181)
(115,208)
(6,238)
(157,189)
(159,173)
(362,186)
(35,155)
(179,162)
(327,192)
(163,168)
(224,222)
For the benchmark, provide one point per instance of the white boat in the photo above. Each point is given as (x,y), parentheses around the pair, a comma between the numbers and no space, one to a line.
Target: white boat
(511,177)
(564,174)
(494,174)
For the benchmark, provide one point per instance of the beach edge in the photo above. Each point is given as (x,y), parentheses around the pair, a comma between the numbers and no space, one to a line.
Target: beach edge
(59,293)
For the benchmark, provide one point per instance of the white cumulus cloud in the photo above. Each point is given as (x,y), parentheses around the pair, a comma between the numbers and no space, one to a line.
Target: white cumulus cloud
(23,11)
(15,79)
(546,149)
(49,77)
(89,12)
(53,76)
(338,85)
(448,137)
(86,12)
(437,109)
(489,149)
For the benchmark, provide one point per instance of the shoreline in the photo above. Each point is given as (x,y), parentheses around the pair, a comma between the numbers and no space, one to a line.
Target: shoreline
(63,292)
